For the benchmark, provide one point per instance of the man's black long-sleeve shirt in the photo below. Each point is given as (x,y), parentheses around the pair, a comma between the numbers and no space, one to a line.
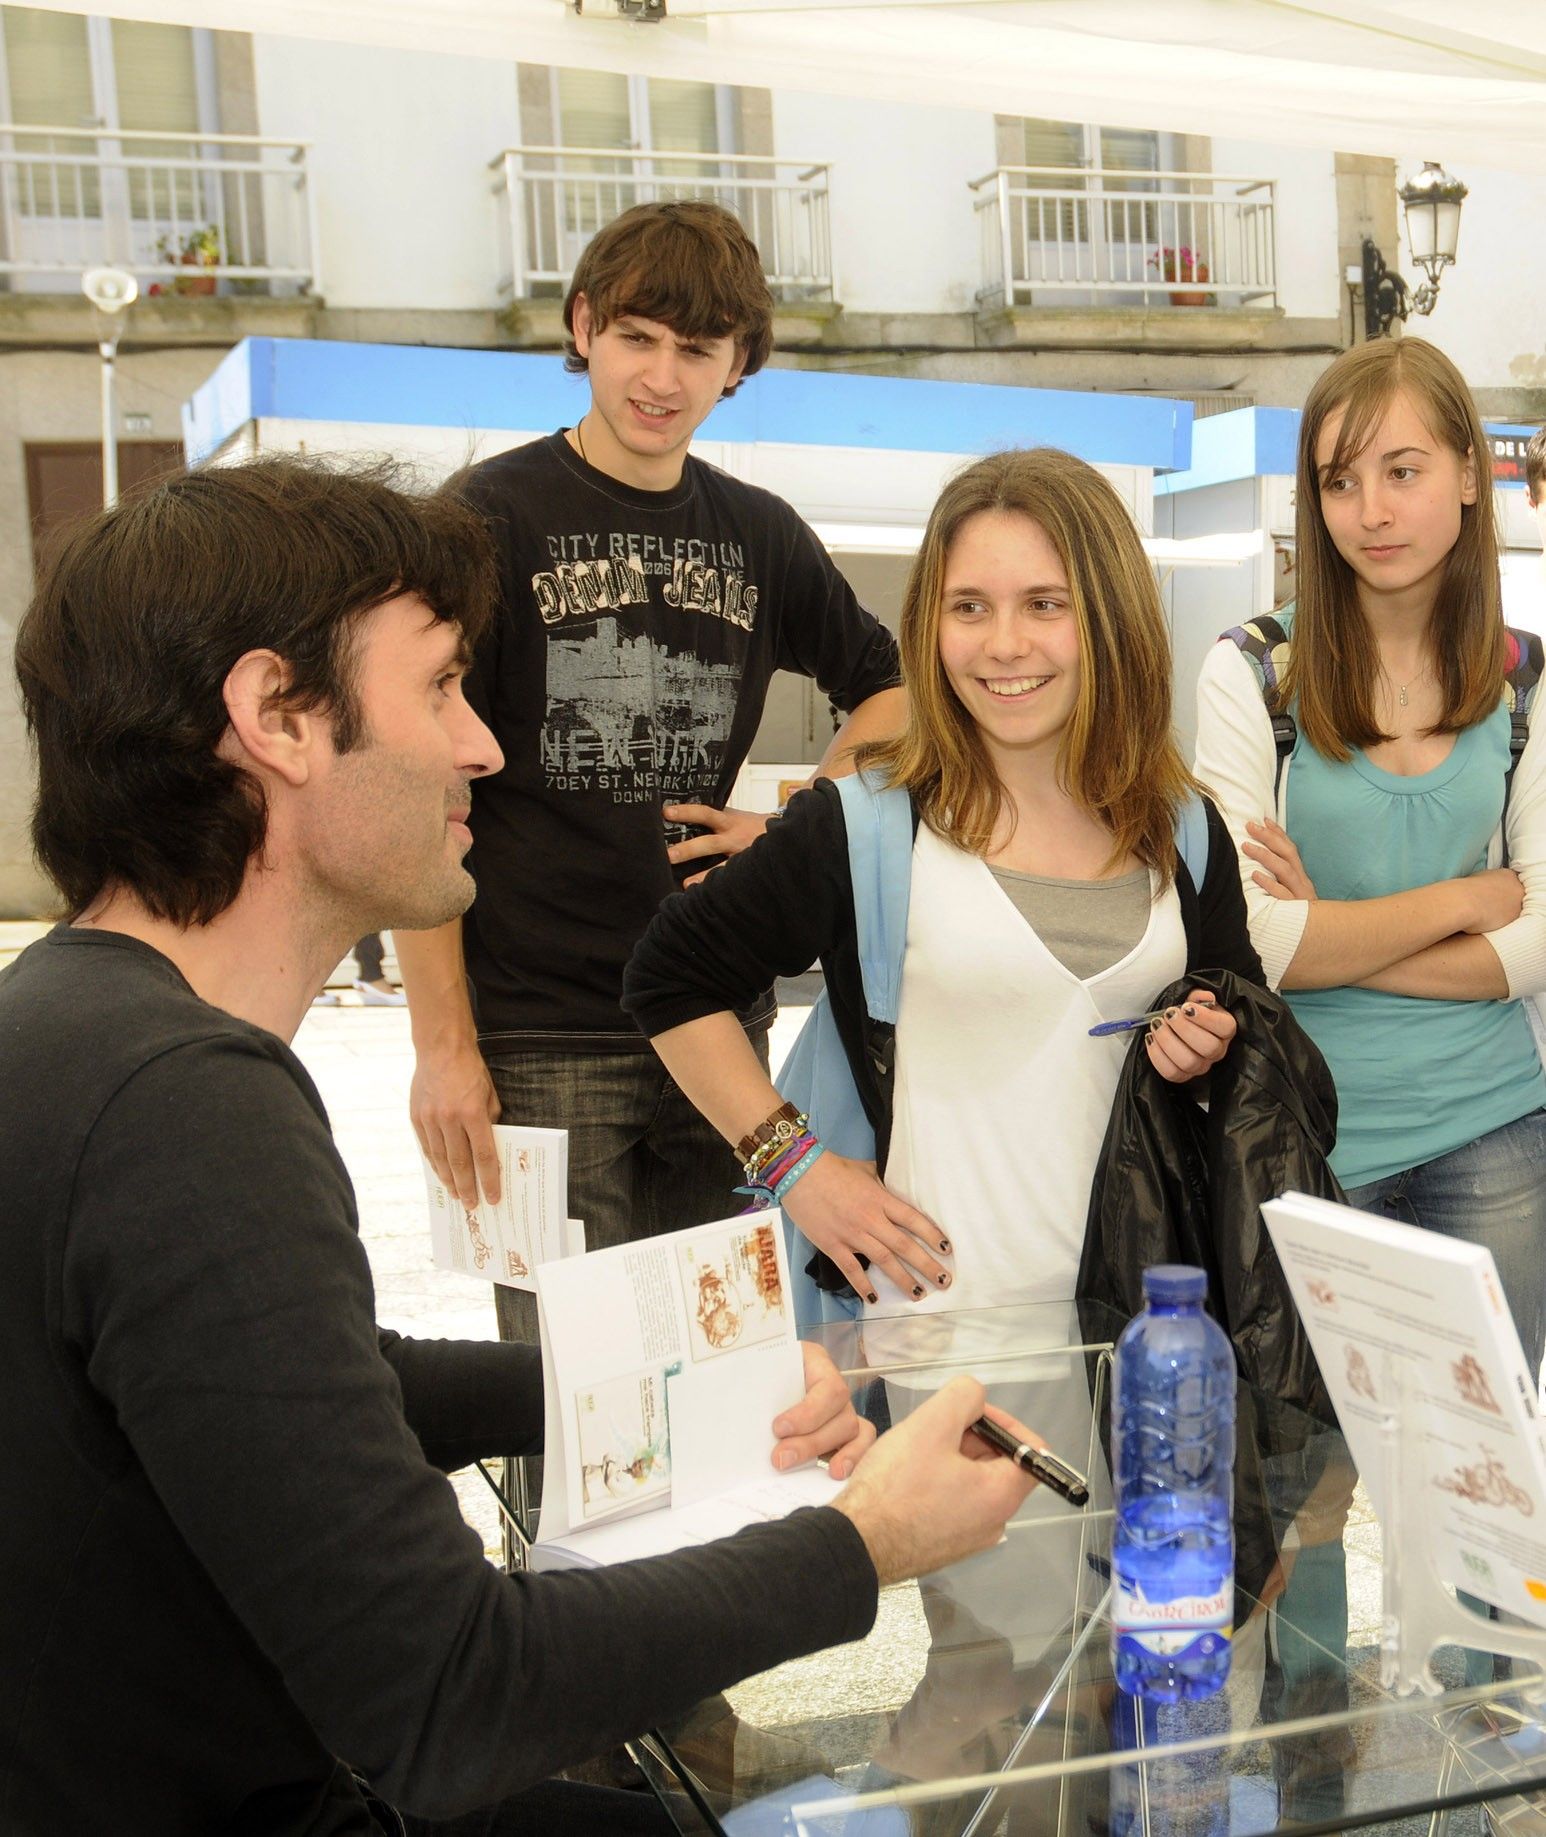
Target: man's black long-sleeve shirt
(226,1555)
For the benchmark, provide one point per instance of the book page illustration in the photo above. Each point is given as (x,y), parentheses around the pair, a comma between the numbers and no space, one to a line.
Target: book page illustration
(625,1442)
(1486,1481)
(1407,1323)
(733,1287)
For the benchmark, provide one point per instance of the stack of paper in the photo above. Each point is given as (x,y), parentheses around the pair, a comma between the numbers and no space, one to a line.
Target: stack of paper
(528,1225)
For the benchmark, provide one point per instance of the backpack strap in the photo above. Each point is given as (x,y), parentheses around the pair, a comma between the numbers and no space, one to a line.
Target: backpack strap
(1264,643)
(1519,686)
(879,820)
(1192,838)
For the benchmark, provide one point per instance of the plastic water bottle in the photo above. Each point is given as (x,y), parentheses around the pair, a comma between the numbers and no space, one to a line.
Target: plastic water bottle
(1173,1458)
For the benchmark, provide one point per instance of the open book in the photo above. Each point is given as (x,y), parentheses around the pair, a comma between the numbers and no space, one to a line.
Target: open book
(664,1364)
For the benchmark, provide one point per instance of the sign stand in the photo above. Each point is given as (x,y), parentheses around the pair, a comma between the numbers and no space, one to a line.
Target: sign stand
(1420,1613)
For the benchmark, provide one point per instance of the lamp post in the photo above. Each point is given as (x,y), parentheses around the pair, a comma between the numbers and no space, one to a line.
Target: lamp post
(112,291)
(1432,202)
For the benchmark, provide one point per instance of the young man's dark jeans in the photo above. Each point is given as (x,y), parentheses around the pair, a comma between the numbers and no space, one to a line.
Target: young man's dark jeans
(641,1158)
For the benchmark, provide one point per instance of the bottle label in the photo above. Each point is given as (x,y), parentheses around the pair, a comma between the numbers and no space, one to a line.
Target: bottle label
(1191,1626)
(1181,1646)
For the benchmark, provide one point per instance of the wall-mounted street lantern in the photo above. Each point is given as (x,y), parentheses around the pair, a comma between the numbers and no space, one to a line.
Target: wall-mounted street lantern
(1432,205)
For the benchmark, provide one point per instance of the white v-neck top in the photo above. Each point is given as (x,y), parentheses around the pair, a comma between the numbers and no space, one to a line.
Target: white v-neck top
(1002,1098)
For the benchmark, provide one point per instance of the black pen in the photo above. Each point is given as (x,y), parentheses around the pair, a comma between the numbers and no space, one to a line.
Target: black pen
(1039,1463)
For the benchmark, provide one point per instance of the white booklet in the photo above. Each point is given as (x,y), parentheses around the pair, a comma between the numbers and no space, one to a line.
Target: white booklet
(664,1363)
(1404,1319)
(528,1226)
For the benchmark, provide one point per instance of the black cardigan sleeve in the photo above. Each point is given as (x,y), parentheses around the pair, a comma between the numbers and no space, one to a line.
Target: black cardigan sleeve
(770,911)
(1223,940)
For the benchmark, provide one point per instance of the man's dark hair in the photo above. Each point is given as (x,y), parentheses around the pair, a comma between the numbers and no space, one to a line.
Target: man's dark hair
(687,264)
(141,614)
(1535,464)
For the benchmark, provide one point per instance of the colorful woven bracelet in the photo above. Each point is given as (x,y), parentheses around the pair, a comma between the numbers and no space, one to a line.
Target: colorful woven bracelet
(801,1167)
(773,1171)
(768,1186)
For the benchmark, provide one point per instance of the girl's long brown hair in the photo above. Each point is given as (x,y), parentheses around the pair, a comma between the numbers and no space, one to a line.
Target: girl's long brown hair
(1117,757)
(1333,664)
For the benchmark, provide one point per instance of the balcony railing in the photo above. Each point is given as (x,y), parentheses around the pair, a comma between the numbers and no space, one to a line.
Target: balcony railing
(550,201)
(183,212)
(1049,232)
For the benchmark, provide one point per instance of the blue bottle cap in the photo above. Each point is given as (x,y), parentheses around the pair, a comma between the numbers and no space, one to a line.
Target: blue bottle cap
(1170,1284)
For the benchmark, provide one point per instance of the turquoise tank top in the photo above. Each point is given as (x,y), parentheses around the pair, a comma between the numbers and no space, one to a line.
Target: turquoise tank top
(1415,1079)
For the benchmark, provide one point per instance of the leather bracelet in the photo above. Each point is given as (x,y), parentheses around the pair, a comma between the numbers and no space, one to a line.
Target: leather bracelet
(786,1136)
(767,1131)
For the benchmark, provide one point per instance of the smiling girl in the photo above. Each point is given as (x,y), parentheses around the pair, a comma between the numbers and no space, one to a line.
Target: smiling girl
(1046,896)
(1366,877)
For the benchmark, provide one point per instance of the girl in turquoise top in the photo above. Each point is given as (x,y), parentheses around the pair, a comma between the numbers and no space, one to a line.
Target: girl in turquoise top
(1371,899)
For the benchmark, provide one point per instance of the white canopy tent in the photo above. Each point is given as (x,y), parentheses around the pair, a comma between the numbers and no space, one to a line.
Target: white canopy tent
(1422,76)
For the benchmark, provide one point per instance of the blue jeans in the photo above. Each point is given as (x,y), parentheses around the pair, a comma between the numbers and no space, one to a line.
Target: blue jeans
(1491,1192)
(642,1160)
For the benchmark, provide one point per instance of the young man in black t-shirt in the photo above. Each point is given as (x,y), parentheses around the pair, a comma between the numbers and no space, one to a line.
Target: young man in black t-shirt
(647,601)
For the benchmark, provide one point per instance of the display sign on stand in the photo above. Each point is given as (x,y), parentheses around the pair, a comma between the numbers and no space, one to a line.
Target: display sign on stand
(1439,1408)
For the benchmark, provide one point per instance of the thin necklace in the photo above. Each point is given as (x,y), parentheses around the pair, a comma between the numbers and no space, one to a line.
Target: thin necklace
(579,441)
(1399,687)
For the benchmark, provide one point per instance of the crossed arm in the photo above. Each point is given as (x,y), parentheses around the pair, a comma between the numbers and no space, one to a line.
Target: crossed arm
(1479,937)
(1428,942)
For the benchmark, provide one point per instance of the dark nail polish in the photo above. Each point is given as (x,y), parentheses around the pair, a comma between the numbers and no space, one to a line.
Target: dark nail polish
(1189,1011)
(944,1246)
(872,1298)
(1170,1014)
(943,1278)
(917,1291)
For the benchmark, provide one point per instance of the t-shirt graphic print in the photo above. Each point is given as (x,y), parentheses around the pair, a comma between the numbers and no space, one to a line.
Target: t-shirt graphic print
(629,715)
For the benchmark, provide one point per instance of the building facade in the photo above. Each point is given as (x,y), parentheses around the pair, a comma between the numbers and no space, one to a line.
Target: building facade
(262,186)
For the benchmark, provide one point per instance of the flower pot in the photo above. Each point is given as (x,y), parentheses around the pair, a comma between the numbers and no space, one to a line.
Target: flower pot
(194,283)
(1182,298)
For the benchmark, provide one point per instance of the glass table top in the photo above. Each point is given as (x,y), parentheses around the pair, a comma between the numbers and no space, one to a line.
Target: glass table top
(983,1699)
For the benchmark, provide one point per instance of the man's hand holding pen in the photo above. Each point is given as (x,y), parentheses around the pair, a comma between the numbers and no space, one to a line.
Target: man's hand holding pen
(931,1491)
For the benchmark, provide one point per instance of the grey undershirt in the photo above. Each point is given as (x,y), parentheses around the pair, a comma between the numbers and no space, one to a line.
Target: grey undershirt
(1088,925)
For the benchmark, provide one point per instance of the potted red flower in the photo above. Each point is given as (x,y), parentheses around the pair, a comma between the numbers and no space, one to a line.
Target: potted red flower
(1183,264)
